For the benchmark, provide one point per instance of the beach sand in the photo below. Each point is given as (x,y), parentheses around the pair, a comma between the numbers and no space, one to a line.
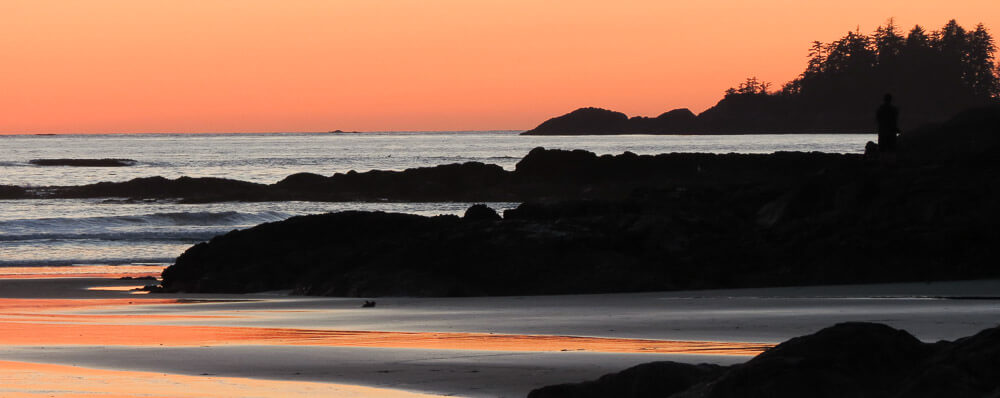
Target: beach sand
(483,346)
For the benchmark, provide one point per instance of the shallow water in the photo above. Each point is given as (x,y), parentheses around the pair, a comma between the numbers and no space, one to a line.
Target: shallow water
(94,231)
(267,158)
(62,232)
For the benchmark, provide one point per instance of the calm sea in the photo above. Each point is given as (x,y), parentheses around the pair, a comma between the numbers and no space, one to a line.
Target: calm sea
(55,232)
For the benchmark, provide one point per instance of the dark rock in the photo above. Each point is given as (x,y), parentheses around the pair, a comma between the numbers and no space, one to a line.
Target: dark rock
(649,380)
(678,221)
(971,133)
(871,151)
(845,360)
(13,192)
(480,212)
(138,278)
(193,189)
(83,162)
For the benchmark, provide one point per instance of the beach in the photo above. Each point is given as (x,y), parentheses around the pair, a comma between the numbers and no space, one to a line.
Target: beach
(89,326)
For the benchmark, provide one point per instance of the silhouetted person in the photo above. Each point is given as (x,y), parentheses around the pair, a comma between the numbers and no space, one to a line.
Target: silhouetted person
(888,125)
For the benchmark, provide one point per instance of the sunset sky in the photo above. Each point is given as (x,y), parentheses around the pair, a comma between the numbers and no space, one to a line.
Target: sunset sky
(107,66)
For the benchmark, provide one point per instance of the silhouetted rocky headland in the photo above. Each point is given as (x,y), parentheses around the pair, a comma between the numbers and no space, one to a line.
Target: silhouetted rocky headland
(933,75)
(845,360)
(677,221)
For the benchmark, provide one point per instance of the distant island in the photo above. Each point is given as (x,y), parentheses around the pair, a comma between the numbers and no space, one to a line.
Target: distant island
(932,75)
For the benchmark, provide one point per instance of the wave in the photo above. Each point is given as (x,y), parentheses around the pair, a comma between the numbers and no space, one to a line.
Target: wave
(171,236)
(160,226)
(89,261)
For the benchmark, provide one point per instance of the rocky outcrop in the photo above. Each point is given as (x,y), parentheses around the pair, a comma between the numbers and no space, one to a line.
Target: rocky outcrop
(652,380)
(845,360)
(541,174)
(12,192)
(629,223)
(205,189)
(83,162)
(471,181)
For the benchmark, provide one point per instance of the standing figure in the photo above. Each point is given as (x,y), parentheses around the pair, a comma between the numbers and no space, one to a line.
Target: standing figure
(888,125)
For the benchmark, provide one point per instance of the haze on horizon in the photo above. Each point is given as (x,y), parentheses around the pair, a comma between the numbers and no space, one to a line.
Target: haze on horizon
(107,66)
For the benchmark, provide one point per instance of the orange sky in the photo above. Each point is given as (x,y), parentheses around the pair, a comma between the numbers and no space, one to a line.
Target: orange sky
(102,66)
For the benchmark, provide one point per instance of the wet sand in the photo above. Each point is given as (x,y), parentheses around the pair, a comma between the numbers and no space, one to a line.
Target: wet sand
(20,379)
(493,346)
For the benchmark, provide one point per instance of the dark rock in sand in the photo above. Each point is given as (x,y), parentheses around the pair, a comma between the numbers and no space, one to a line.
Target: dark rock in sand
(368,254)
(845,360)
(649,380)
(84,162)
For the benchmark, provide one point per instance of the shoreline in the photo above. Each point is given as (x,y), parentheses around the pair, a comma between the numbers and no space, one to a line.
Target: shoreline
(771,314)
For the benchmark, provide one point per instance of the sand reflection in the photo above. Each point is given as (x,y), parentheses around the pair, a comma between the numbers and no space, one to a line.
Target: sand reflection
(131,289)
(52,322)
(80,271)
(21,379)
(44,333)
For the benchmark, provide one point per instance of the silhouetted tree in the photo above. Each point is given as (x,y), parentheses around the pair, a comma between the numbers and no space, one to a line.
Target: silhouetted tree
(979,63)
(932,76)
(917,38)
(888,43)
(752,86)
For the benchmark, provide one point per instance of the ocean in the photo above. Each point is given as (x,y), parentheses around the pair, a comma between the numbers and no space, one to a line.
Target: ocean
(102,231)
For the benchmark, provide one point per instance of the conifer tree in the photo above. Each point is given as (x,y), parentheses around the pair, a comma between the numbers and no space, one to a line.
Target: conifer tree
(979,63)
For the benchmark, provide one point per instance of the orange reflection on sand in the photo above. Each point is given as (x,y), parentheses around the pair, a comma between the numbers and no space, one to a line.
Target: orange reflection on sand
(80,271)
(23,333)
(18,327)
(22,379)
(20,310)
(48,305)
(131,289)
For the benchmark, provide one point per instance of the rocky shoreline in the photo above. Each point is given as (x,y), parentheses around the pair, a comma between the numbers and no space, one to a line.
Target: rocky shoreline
(714,221)
(845,360)
(541,175)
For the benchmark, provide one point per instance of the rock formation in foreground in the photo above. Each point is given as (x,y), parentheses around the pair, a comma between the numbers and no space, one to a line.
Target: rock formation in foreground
(845,360)
(678,221)
(710,222)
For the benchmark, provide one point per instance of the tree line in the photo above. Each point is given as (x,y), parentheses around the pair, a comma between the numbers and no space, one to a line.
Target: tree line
(932,74)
